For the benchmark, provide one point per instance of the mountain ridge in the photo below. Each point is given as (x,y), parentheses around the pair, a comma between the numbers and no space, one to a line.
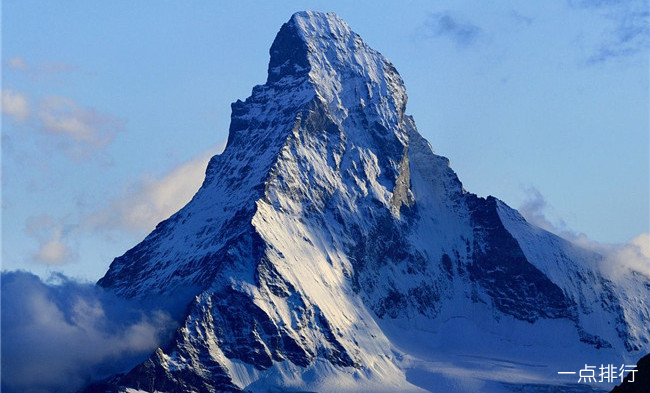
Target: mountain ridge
(327,221)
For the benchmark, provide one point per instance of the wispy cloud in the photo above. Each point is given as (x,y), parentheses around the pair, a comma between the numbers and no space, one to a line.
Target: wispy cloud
(535,210)
(61,337)
(153,199)
(15,105)
(18,63)
(446,25)
(618,259)
(52,242)
(628,30)
(520,18)
(137,210)
(80,130)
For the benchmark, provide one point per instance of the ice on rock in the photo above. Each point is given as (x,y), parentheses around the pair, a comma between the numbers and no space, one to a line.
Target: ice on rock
(330,249)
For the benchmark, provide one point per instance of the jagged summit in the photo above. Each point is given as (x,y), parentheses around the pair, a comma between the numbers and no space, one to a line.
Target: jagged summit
(290,51)
(322,47)
(321,75)
(328,237)
(316,56)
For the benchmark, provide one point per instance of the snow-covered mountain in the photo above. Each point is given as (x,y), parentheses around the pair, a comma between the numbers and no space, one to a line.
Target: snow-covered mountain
(330,249)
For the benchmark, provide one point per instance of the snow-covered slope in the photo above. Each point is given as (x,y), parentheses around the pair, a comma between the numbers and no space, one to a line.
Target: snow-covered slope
(329,249)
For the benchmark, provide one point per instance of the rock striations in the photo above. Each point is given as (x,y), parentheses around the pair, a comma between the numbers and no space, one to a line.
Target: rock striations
(328,231)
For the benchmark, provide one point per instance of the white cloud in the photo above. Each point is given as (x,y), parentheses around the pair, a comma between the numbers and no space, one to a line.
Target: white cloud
(61,337)
(53,252)
(634,255)
(642,242)
(77,131)
(15,105)
(535,210)
(153,199)
(78,127)
(41,69)
(618,259)
(52,247)
(17,63)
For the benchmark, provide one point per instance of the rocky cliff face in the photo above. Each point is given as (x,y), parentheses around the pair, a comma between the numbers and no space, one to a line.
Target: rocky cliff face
(327,221)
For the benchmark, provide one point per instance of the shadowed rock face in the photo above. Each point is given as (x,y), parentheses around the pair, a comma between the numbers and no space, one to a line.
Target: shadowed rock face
(517,287)
(326,213)
(641,378)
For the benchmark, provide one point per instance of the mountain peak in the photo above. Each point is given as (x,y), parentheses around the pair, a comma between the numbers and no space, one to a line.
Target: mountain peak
(345,71)
(315,26)
(327,217)
(303,33)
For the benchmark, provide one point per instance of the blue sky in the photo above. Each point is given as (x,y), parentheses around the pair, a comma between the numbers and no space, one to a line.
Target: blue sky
(111,110)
